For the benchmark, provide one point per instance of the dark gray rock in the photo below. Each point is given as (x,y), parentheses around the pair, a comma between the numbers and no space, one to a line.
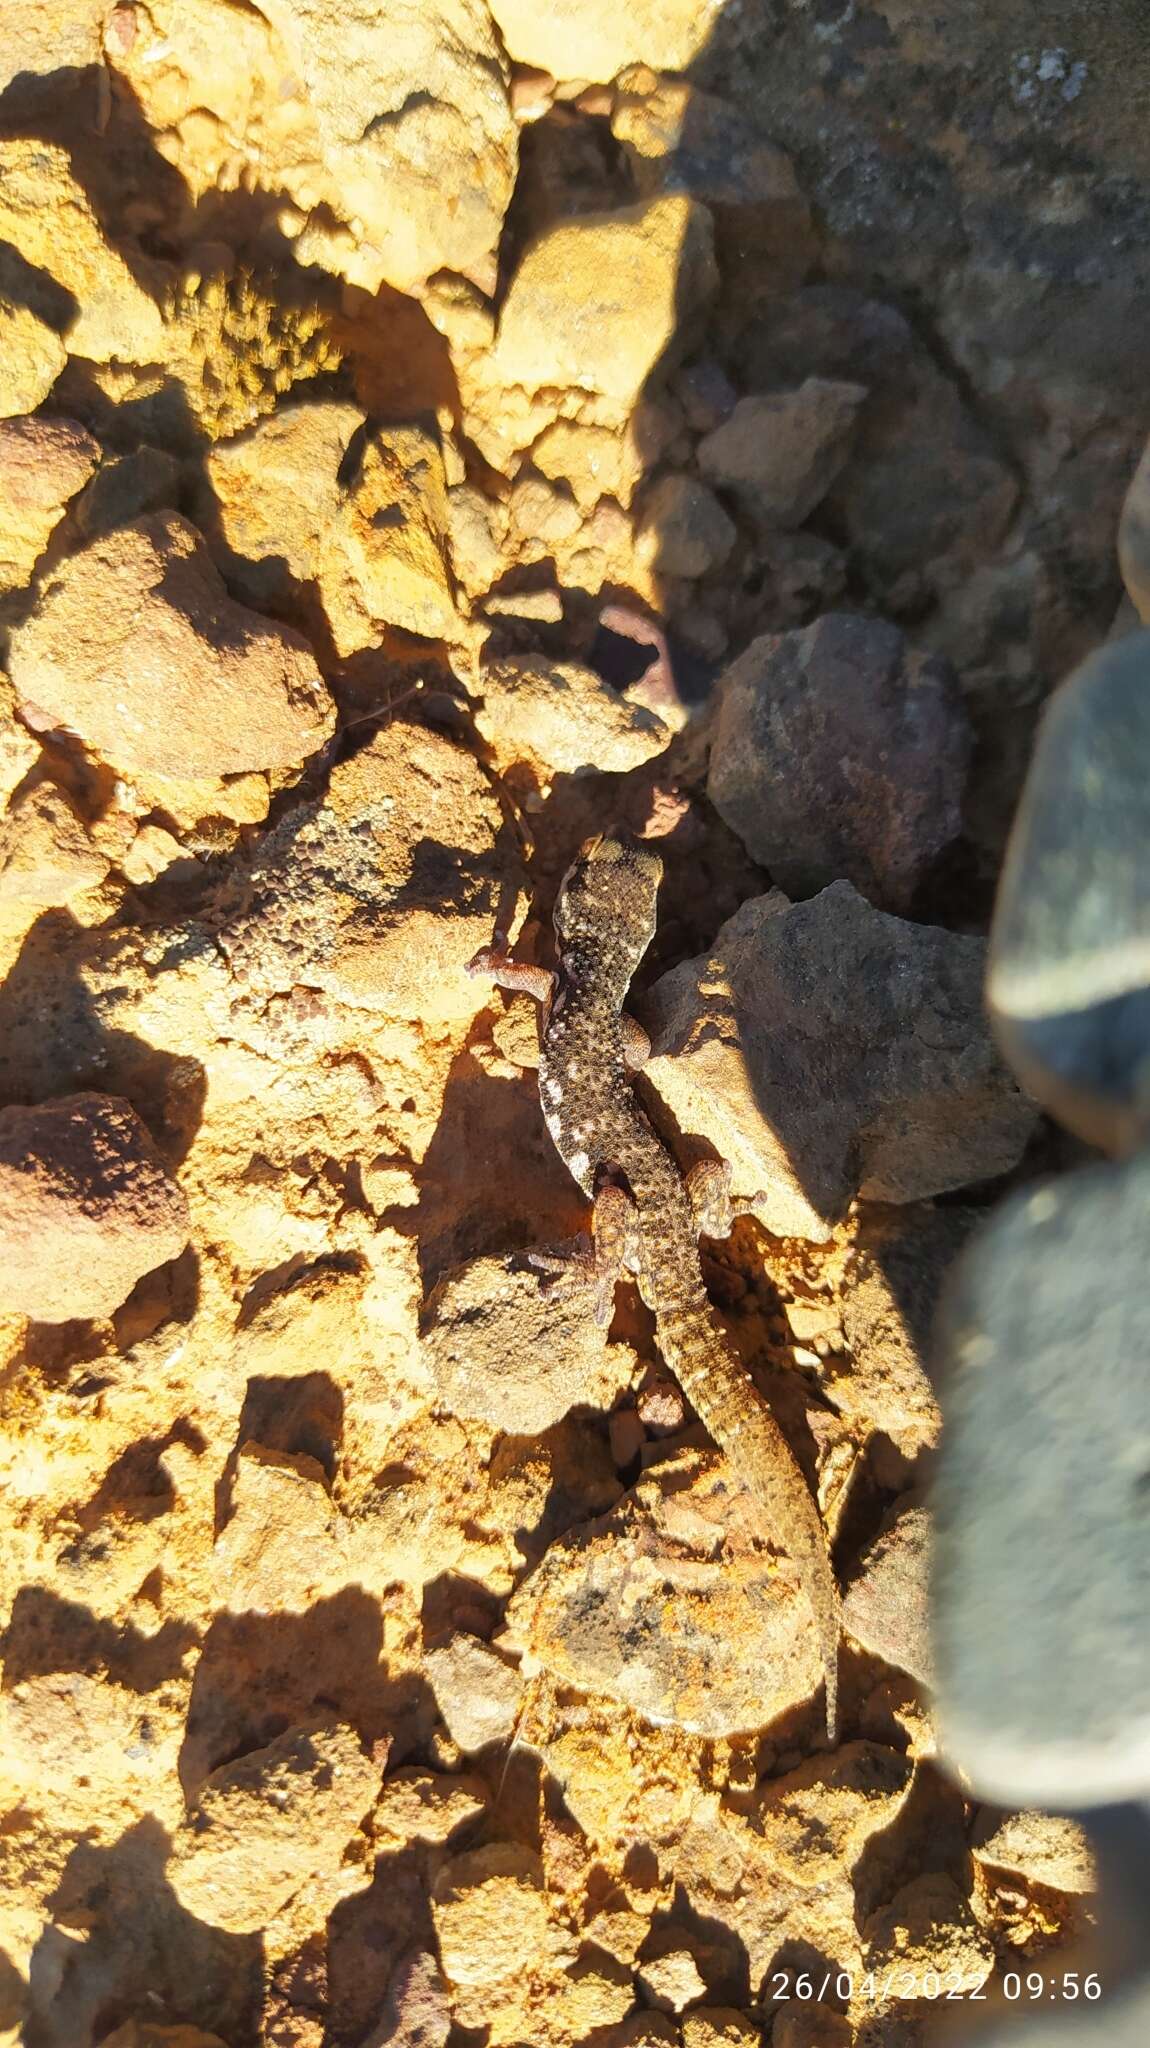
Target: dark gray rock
(1069,976)
(840,753)
(829,1050)
(1041,1508)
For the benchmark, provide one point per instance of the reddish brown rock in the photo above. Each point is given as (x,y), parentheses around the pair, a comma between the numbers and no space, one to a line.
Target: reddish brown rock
(840,753)
(43,463)
(86,1207)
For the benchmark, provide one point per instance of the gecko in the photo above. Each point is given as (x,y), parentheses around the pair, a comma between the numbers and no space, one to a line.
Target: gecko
(646,1216)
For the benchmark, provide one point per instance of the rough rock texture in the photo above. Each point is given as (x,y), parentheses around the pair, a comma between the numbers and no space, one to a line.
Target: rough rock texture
(829,1050)
(46,855)
(370,532)
(490,1910)
(43,464)
(427,173)
(679,139)
(684,529)
(568,322)
(378,893)
(477,1694)
(501,1348)
(275,1820)
(418,2009)
(650,1607)
(426,1806)
(32,356)
(48,218)
(840,753)
(928,1925)
(135,646)
(885,1607)
(891,1288)
(241,1503)
(1043,1667)
(19,752)
(1045,1848)
(282,1530)
(86,1207)
(592,39)
(780,453)
(822,1815)
(925,493)
(37,43)
(560,716)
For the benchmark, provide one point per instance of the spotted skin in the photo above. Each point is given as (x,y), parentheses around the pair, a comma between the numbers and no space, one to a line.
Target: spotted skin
(643,1219)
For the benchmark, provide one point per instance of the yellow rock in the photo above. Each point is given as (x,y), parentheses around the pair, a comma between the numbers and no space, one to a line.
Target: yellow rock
(207,77)
(490,1912)
(46,856)
(819,1818)
(45,213)
(136,646)
(18,750)
(418,140)
(397,524)
(283,1547)
(594,39)
(273,1821)
(32,356)
(562,717)
(596,301)
(374,546)
(50,36)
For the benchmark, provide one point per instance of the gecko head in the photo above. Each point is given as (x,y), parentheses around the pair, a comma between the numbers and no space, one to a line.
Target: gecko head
(607,897)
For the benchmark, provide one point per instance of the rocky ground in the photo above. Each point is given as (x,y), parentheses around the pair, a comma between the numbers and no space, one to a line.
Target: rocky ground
(427,436)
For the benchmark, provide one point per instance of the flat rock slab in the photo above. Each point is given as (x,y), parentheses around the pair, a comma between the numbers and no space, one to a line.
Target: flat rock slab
(378,893)
(840,753)
(665,1606)
(829,1050)
(136,647)
(506,1350)
(1069,976)
(1042,1535)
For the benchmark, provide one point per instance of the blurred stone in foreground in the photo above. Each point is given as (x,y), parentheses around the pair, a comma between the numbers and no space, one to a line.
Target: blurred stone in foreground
(1069,978)
(1042,1503)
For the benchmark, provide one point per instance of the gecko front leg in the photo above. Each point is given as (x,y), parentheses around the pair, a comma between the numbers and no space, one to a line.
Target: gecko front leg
(601,1260)
(517,976)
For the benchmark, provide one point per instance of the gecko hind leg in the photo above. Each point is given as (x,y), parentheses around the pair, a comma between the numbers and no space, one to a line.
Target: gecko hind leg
(599,1261)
